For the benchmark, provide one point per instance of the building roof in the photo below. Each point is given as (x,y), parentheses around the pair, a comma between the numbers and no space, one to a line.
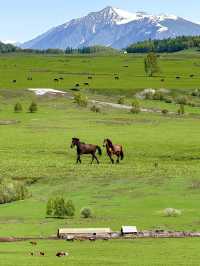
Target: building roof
(84,231)
(129,229)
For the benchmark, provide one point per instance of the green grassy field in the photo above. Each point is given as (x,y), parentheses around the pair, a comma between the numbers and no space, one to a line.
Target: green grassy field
(37,151)
(76,69)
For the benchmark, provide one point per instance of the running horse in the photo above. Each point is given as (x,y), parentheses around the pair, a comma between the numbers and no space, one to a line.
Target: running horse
(113,149)
(83,148)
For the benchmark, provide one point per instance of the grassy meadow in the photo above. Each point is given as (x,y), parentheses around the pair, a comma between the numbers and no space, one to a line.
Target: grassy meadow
(160,170)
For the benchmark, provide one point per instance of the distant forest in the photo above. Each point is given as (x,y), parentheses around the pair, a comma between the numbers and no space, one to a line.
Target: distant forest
(9,48)
(166,45)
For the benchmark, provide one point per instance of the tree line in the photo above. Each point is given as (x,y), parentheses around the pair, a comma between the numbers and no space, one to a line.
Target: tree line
(166,45)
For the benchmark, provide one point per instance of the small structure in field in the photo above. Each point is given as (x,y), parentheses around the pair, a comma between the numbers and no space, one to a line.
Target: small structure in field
(76,233)
(129,230)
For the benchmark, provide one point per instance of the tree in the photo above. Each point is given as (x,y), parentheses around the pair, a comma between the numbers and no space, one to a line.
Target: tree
(151,64)
(18,108)
(86,213)
(33,107)
(69,208)
(59,207)
(50,207)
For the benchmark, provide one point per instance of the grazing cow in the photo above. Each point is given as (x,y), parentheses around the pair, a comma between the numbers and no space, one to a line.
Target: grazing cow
(61,78)
(83,148)
(125,66)
(31,253)
(177,77)
(61,254)
(33,243)
(162,80)
(42,253)
(113,149)
(89,77)
(86,84)
(116,78)
(56,80)
(14,81)
(192,75)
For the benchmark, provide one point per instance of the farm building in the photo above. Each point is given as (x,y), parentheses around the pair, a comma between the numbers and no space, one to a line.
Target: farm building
(129,230)
(66,233)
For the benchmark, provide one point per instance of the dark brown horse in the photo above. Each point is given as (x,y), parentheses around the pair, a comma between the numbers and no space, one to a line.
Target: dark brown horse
(113,149)
(83,148)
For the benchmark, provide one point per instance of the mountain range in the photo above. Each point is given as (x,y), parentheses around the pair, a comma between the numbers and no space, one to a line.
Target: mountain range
(113,27)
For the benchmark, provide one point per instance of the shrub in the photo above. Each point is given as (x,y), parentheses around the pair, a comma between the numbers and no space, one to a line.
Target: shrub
(171,212)
(70,208)
(12,191)
(86,213)
(135,107)
(159,96)
(33,107)
(18,108)
(181,110)
(182,100)
(121,100)
(95,109)
(165,111)
(80,99)
(57,207)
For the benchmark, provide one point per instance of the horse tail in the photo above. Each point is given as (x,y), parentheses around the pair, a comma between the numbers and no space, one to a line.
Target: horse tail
(99,150)
(122,154)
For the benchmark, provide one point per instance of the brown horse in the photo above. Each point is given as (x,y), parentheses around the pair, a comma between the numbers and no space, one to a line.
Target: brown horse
(113,149)
(83,148)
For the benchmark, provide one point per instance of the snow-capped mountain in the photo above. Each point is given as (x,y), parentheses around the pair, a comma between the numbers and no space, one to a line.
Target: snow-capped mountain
(115,28)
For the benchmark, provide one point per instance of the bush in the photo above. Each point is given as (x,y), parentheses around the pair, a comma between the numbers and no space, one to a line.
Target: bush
(12,191)
(181,110)
(95,109)
(165,111)
(18,108)
(86,213)
(159,96)
(121,100)
(80,99)
(33,107)
(182,100)
(57,207)
(135,107)
(171,212)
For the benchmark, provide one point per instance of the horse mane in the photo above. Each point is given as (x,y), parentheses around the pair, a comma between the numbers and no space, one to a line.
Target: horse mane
(110,143)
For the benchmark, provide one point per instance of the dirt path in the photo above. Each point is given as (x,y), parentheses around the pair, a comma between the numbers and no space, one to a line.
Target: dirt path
(43,91)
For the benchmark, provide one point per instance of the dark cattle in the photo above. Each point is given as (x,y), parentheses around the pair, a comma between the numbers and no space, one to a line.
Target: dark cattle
(177,77)
(61,78)
(77,85)
(33,243)
(14,81)
(162,80)
(31,253)
(61,254)
(116,78)
(89,77)
(86,84)
(192,75)
(125,66)
(42,253)
(56,80)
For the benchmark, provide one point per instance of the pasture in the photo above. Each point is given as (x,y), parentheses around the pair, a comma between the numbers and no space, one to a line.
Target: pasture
(160,169)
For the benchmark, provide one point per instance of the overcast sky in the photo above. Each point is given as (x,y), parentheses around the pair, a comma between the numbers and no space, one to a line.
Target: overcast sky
(24,19)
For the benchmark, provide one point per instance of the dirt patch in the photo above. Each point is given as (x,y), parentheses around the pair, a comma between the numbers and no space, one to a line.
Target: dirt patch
(9,122)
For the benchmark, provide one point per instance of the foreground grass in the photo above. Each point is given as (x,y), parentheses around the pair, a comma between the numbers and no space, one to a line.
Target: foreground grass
(36,151)
(136,252)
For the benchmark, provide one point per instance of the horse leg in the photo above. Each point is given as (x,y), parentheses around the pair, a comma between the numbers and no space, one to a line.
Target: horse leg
(92,159)
(117,159)
(78,159)
(112,161)
(94,156)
